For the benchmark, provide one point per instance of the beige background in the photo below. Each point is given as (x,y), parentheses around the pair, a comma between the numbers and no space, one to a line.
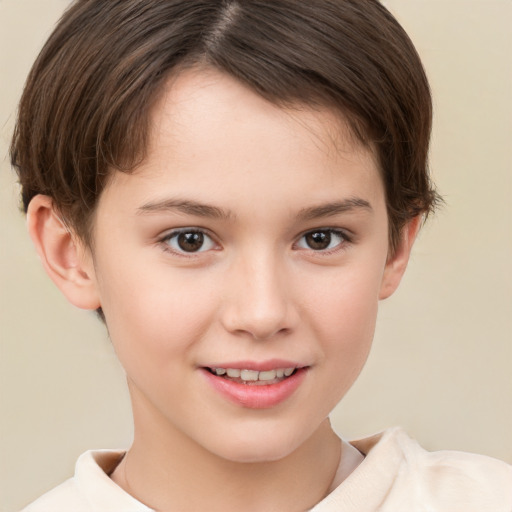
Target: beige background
(441,365)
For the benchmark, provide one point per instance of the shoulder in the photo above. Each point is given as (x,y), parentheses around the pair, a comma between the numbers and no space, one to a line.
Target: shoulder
(66,496)
(448,480)
(90,489)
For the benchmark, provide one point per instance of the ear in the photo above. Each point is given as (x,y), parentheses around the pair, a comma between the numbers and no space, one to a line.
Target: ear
(66,260)
(397,262)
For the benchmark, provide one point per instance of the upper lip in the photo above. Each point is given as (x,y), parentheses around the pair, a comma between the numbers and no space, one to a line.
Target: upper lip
(259,366)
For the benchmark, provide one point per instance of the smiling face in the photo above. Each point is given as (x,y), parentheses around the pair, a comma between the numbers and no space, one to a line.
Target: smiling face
(251,238)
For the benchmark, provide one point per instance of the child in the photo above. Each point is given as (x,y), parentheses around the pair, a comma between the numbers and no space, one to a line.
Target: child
(234,186)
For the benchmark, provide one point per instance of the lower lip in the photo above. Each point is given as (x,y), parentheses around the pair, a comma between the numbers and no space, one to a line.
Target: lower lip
(256,397)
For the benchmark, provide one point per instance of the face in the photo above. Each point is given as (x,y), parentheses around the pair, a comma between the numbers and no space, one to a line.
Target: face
(252,240)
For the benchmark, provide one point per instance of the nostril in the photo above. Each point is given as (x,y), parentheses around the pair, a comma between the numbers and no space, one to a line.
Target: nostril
(262,309)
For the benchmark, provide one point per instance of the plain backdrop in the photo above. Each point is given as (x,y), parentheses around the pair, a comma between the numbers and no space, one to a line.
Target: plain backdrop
(441,364)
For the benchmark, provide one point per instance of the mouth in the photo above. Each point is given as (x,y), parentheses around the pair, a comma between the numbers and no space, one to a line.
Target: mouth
(256,385)
(253,377)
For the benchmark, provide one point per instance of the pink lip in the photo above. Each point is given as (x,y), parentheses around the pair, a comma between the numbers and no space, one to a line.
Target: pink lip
(256,397)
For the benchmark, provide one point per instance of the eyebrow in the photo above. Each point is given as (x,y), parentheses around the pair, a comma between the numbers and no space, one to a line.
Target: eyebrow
(335,208)
(187,207)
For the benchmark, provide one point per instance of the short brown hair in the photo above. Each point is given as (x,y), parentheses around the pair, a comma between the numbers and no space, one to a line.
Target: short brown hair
(87,100)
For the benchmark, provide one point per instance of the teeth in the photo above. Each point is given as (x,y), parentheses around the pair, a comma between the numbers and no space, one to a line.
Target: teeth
(271,375)
(249,375)
(253,375)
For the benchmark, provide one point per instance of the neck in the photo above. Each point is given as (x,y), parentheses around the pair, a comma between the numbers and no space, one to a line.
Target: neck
(166,470)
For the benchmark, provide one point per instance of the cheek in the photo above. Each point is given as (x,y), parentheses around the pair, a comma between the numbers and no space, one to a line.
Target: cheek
(342,317)
(350,333)
(154,317)
(346,300)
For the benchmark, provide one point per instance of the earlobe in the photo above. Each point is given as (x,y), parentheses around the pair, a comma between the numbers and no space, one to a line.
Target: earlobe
(65,260)
(397,262)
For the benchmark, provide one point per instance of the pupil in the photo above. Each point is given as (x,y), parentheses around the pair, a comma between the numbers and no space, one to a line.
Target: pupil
(319,240)
(190,242)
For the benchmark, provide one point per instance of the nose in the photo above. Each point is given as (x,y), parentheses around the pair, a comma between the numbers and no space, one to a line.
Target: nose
(258,300)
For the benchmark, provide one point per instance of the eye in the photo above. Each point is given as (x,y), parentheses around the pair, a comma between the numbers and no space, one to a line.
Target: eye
(322,240)
(189,241)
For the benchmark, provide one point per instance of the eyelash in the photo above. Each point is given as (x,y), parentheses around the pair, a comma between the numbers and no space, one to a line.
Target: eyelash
(165,241)
(345,239)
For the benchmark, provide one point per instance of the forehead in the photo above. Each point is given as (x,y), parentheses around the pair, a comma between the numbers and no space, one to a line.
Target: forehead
(212,137)
(197,101)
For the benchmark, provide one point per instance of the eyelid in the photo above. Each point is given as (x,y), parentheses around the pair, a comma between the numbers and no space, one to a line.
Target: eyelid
(173,233)
(347,238)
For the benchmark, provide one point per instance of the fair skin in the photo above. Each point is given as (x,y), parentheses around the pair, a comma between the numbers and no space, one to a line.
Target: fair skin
(280,260)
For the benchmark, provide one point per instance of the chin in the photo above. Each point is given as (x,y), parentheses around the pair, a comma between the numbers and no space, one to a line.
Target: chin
(269,445)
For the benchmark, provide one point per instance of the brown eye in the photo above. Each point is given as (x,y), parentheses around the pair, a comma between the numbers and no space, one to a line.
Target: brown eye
(321,240)
(189,241)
